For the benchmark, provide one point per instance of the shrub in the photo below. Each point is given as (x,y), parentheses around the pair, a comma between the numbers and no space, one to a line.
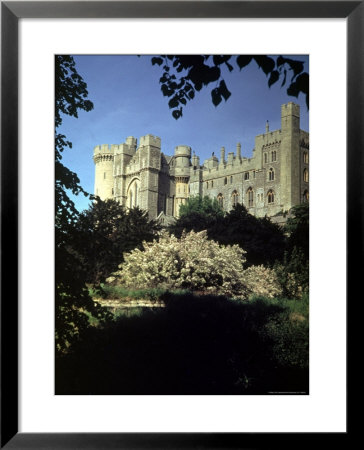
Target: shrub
(191,262)
(293,274)
(262,281)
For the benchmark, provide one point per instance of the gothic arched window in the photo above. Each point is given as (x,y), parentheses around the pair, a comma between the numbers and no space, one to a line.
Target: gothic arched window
(305,196)
(220,200)
(234,198)
(271,174)
(270,197)
(250,195)
(305,175)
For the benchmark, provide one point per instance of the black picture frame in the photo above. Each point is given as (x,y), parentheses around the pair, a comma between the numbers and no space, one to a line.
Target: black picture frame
(11,12)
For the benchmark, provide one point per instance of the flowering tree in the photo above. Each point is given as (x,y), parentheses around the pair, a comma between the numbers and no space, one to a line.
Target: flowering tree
(191,262)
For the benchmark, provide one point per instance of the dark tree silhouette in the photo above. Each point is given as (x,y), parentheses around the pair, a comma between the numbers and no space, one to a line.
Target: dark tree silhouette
(104,232)
(263,240)
(71,295)
(183,75)
(198,213)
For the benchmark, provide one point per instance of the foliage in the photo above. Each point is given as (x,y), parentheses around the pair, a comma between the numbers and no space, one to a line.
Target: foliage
(104,232)
(293,270)
(262,240)
(195,345)
(198,213)
(262,281)
(293,273)
(71,296)
(288,331)
(191,262)
(184,75)
(118,292)
(70,97)
(297,227)
(203,205)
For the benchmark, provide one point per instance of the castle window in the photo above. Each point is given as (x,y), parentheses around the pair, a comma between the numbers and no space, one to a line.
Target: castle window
(305,175)
(271,174)
(270,197)
(234,198)
(274,156)
(212,183)
(305,157)
(225,180)
(265,157)
(112,191)
(231,180)
(253,173)
(246,176)
(305,197)
(250,197)
(207,184)
(104,175)
(220,200)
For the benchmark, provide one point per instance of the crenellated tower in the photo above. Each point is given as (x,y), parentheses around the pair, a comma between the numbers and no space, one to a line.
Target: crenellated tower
(182,154)
(272,180)
(104,163)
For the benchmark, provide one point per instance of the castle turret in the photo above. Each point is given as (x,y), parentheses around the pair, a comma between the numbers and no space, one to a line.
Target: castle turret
(104,180)
(290,159)
(182,155)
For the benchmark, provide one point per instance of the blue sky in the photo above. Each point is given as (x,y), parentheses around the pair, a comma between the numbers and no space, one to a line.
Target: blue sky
(128,101)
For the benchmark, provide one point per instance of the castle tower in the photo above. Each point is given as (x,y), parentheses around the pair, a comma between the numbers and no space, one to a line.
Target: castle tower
(182,155)
(290,156)
(104,180)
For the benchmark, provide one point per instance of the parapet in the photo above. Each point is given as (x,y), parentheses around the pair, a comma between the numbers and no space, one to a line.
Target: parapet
(149,139)
(182,150)
(103,149)
(290,109)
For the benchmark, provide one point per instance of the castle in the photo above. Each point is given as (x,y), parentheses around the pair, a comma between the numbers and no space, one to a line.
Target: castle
(273,180)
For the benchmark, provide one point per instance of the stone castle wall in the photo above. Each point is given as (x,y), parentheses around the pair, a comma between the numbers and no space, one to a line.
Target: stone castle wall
(274,179)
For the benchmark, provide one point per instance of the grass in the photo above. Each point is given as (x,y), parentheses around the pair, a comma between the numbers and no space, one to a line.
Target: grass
(195,345)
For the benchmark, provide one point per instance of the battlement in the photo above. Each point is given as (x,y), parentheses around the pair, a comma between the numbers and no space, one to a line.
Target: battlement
(103,149)
(182,150)
(166,182)
(149,139)
(290,109)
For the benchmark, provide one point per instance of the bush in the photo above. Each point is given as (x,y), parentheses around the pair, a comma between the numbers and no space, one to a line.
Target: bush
(262,281)
(293,274)
(191,262)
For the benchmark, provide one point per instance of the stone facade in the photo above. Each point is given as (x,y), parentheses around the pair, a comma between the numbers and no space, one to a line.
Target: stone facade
(274,179)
